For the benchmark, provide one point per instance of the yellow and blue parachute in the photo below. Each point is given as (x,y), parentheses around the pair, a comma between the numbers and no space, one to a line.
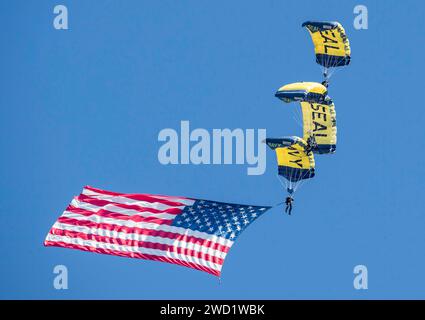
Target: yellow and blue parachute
(302,91)
(318,116)
(295,164)
(319,126)
(331,44)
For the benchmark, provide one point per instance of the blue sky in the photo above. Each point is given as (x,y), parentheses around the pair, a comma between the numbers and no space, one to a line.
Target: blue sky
(84,107)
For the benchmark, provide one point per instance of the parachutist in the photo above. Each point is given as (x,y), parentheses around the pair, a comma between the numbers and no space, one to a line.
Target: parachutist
(311,144)
(325,82)
(288,203)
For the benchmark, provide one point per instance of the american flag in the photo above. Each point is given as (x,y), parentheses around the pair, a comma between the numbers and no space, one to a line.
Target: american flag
(189,232)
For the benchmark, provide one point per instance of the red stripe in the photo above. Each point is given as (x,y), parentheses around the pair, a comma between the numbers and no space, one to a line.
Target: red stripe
(158,233)
(102,203)
(133,255)
(114,215)
(140,197)
(139,244)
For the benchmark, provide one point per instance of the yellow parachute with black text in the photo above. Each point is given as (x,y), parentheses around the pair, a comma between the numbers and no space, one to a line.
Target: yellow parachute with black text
(294,164)
(319,126)
(317,117)
(331,44)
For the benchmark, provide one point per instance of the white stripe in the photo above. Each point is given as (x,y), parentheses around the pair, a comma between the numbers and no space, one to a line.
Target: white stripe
(185,201)
(151,226)
(121,248)
(140,237)
(124,200)
(130,212)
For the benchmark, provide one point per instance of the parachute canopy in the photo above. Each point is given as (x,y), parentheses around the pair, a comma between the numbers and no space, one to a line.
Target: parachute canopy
(294,164)
(331,44)
(319,126)
(317,116)
(302,91)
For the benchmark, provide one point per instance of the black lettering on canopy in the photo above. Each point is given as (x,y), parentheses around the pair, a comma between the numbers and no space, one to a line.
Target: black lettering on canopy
(327,39)
(298,162)
(329,43)
(319,127)
(319,115)
(294,152)
(315,107)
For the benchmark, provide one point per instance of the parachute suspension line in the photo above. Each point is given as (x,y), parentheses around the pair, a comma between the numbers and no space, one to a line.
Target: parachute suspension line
(296,119)
(301,183)
(297,116)
(325,73)
(299,180)
(283,185)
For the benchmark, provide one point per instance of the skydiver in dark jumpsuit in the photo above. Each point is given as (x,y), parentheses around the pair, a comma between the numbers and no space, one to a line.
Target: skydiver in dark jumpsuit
(288,203)
(311,144)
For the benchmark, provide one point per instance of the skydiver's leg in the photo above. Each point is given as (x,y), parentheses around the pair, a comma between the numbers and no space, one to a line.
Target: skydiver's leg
(290,209)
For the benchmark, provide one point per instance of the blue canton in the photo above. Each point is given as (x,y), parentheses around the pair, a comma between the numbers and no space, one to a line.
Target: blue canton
(226,220)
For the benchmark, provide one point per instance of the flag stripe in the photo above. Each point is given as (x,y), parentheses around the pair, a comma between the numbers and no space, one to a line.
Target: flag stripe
(129,233)
(209,243)
(90,204)
(143,225)
(132,255)
(134,249)
(136,199)
(135,205)
(144,242)
(73,211)
(181,200)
